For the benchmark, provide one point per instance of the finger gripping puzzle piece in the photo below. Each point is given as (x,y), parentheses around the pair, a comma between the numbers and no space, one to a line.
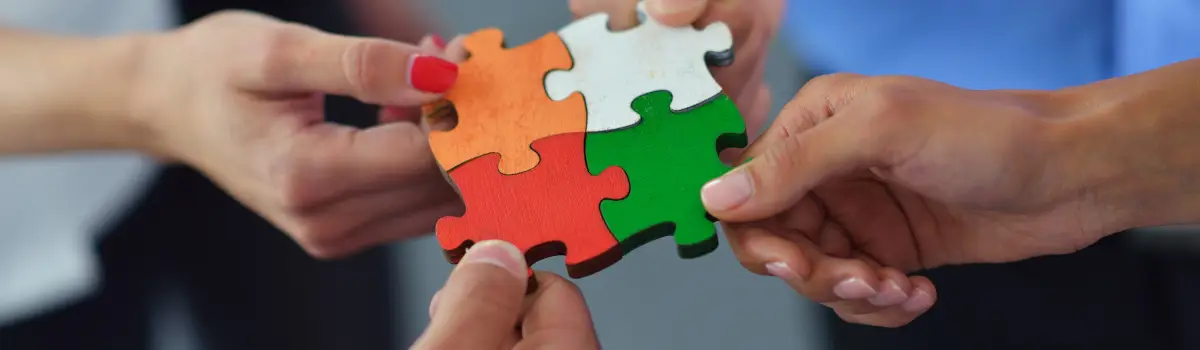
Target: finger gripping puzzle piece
(668,156)
(501,104)
(552,209)
(613,68)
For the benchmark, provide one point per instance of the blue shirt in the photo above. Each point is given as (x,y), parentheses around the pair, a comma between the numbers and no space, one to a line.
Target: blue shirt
(992,44)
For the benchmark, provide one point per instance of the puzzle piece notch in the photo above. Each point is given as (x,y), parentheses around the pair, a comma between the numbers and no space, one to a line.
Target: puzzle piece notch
(611,69)
(668,156)
(552,209)
(501,104)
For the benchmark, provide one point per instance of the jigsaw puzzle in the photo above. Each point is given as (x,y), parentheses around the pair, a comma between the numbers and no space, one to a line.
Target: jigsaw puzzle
(586,142)
(549,210)
(668,156)
(502,105)
(613,68)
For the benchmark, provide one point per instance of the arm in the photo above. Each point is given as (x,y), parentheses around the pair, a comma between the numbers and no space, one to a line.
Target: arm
(65,93)
(1135,142)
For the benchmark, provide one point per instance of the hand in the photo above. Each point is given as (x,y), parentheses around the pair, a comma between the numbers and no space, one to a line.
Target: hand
(752,22)
(861,180)
(483,306)
(240,96)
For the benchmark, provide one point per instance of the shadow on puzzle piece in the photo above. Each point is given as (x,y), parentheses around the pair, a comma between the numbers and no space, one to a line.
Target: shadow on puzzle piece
(552,209)
(501,105)
(668,156)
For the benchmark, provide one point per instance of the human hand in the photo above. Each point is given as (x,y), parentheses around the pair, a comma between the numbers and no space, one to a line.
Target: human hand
(483,306)
(240,97)
(861,180)
(752,23)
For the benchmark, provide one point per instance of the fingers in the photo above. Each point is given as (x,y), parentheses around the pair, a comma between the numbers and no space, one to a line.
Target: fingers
(789,168)
(557,317)
(330,162)
(302,59)
(622,14)
(804,146)
(859,290)
(676,13)
(481,302)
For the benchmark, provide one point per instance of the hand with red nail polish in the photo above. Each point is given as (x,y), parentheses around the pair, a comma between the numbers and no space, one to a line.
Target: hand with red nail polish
(484,298)
(240,96)
(862,181)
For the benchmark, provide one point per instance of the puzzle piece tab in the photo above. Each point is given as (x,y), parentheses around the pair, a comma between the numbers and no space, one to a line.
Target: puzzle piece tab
(552,209)
(668,157)
(613,68)
(501,103)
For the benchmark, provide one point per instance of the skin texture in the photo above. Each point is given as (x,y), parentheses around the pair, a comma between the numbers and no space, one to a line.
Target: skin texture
(484,298)
(862,180)
(239,96)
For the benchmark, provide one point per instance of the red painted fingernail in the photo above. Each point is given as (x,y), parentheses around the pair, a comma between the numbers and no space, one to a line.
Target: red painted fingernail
(437,40)
(431,74)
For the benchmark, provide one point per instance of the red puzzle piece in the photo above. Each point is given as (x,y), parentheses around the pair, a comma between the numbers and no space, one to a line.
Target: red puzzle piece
(552,209)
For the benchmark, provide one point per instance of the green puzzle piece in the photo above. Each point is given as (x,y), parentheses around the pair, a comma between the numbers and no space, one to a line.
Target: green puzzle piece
(668,156)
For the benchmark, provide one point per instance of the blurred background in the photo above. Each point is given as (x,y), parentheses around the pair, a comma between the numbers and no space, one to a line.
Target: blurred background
(185,267)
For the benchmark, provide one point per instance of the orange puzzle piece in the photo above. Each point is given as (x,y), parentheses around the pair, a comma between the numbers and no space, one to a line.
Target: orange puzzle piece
(501,103)
(552,209)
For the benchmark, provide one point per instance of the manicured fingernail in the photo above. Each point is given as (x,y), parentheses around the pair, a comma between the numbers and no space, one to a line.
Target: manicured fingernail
(727,191)
(782,271)
(920,301)
(437,40)
(891,295)
(666,7)
(431,74)
(853,289)
(433,303)
(499,253)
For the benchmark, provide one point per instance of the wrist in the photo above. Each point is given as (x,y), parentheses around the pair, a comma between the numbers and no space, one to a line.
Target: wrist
(1126,151)
(97,87)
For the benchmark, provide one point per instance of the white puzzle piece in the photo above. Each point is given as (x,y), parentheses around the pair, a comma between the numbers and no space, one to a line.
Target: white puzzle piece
(611,69)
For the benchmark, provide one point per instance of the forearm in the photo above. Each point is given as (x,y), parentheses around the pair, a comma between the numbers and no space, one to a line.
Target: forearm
(1133,145)
(62,93)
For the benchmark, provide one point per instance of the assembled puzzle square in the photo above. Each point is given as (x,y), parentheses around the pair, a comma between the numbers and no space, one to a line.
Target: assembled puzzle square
(587,142)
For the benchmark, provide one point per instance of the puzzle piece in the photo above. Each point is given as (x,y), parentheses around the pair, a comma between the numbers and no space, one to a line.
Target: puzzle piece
(668,157)
(552,209)
(502,105)
(613,68)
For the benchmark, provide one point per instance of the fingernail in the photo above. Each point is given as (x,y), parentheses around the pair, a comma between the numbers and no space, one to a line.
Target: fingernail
(782,271)
(727,191)
(920,301)
(853,289)
(433,302)
(437,40)
(891,295)
(431,74)
(499,253)
(666,7)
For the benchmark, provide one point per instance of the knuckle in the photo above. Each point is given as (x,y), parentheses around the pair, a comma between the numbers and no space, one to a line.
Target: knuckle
(827,82)
(280,46)
(294,193)
(355,63)
(320,240)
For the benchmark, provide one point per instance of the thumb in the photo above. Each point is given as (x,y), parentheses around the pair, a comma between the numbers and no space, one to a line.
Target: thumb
(377,71)
(481,302)
(676,13)
(790,166)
